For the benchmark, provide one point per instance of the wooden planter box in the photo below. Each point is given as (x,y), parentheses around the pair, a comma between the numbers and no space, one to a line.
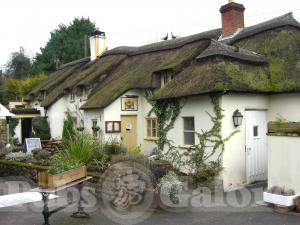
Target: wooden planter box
(284,128)
(50,181)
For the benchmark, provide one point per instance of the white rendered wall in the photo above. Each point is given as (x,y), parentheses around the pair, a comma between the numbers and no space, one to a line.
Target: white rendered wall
(94,114)
(284,165)
(196,107)
(113,112)
(286,105)
(18,131)
(56,114)
(234,157)
(37,105)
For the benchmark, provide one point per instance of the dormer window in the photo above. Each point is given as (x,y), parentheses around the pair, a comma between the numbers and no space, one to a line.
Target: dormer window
(72,96)
(165,78)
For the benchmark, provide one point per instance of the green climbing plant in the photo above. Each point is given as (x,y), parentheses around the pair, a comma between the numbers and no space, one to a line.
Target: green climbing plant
(166,112)
(204,159)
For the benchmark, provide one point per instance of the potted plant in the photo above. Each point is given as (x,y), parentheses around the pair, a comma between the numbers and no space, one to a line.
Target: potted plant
(61,172)
(70,164)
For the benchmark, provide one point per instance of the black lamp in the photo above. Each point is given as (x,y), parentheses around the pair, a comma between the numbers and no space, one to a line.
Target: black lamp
(237,118)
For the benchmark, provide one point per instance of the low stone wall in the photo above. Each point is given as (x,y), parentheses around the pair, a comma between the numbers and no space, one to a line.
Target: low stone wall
(25,170)
(30,172)
(283,162)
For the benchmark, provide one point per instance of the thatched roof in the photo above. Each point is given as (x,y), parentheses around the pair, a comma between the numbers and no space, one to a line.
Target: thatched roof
(215,75)
(58,77)
(281,21)
(136,71)
(217,70)
(261,58)
(84,76)
(217,48)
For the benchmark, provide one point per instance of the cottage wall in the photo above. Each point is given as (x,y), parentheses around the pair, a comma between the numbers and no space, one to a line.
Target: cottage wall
(56,115)
(113,112)
(285,105)
(197,107)
(284,166)
(234,158)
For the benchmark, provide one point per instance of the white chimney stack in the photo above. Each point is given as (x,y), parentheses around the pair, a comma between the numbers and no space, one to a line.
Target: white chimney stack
(97,44)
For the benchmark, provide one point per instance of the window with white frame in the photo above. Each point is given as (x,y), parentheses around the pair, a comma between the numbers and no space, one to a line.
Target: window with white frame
(188,130)
(151,127)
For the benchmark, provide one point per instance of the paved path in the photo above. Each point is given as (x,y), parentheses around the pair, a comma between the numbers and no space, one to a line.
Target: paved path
(250,214)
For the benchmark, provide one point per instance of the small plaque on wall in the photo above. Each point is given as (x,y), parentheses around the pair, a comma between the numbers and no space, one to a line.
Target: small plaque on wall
(112,126)
(129,103)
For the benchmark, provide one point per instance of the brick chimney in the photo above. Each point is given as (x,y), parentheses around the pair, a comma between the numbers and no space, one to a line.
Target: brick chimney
(232,18)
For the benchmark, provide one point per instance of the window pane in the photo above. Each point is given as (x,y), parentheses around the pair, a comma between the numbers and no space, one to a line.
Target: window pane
(189,138)
(149,128)
(154,124)
(116,126)
(255,131)
(189,123)
(154,134)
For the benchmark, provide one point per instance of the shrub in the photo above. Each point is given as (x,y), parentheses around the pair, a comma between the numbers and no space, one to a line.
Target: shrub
(171,186)
(41,155)
(13,123)
(68,129)
(112,147)
(137,150)
(82,147)
(19,157)
(60,163)
(41,128)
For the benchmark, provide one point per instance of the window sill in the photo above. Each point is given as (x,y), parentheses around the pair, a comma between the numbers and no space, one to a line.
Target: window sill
(151,138)
(186,146)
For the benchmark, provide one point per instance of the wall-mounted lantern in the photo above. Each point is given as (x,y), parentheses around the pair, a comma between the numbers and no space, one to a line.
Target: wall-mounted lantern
(237,118)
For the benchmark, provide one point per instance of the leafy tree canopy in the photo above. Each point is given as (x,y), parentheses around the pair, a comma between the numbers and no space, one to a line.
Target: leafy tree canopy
(19,65)
(17,89)
(67,43)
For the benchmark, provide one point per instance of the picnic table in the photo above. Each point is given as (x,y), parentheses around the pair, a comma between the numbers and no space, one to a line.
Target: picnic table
(80,213)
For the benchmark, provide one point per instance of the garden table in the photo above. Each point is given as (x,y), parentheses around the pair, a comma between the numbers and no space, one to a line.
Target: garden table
(45,197)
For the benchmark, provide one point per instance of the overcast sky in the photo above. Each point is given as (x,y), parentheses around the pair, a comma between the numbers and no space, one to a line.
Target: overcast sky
(126,22)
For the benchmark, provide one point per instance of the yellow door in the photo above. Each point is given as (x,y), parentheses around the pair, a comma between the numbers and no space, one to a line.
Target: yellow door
(129,131)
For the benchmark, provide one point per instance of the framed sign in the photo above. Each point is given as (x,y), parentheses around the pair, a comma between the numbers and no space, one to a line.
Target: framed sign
(33,143)
(112,126)
(129,103)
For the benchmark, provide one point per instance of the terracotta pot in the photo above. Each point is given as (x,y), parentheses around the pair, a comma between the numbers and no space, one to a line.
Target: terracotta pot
(297,203)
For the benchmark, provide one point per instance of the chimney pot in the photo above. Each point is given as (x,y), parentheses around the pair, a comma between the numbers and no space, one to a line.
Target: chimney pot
(232,18)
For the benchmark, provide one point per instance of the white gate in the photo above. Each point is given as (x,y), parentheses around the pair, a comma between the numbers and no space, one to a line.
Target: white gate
(256,146)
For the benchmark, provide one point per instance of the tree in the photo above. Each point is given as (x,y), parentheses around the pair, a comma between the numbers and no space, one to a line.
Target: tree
(17,89)
(19,65)
(67,43)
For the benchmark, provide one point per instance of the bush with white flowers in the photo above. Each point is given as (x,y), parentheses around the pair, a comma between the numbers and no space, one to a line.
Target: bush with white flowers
(171,186)
(19,157)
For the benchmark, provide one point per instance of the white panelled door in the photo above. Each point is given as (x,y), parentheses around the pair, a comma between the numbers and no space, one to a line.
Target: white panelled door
(256,146)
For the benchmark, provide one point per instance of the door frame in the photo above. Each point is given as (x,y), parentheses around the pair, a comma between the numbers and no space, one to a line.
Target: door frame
(248,176)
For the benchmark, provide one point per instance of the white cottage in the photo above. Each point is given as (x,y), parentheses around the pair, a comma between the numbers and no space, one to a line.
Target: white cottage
(254,71)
